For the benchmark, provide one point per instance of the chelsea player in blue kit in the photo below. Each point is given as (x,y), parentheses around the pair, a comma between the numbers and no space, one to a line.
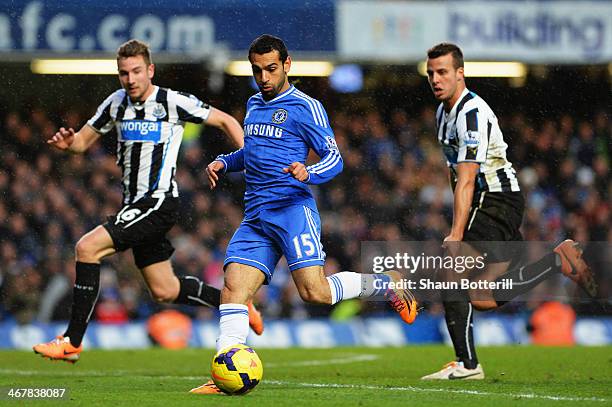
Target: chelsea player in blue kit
(281,125)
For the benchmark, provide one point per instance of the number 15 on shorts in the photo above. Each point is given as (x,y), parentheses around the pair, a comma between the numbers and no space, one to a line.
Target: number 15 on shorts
(303,243)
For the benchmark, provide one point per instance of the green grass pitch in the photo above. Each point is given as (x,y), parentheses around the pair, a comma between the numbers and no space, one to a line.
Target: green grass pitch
(516,375)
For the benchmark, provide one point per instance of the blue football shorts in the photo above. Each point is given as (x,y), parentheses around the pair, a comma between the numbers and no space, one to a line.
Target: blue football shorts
(293,231)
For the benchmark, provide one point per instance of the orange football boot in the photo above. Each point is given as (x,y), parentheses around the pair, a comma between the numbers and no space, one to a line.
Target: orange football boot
(207,388)
(255,320)
(402,300)
(59,349)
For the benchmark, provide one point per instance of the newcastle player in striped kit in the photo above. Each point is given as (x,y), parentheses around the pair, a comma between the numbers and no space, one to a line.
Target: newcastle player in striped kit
(488,207)
(149,121)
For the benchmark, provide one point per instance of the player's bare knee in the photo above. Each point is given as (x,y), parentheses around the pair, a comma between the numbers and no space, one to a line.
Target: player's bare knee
(482,300)
(314,295)
(163,295)
(234,295)
(484,305)
(86,251)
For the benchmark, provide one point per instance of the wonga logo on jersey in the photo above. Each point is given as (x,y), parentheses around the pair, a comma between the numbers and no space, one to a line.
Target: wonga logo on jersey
(140,130)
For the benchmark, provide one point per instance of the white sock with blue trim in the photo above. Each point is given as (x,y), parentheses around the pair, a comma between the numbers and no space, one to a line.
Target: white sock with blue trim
(348,284)
(344,285)
(233,325)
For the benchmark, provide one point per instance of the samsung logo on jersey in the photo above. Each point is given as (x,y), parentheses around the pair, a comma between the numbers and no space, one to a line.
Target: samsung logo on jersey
(140,130)
(263,130)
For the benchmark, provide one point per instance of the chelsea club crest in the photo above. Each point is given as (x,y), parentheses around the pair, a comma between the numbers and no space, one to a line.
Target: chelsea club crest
(279,116)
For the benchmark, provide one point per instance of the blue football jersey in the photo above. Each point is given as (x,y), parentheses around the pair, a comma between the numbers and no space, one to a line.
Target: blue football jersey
(277,133)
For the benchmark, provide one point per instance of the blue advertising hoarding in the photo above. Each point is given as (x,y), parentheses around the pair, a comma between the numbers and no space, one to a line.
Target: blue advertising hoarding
(353,30)
(193,28)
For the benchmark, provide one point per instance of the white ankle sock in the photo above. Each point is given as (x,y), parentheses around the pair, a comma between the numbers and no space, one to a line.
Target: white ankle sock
(344,285)
(233,325)
(348,284)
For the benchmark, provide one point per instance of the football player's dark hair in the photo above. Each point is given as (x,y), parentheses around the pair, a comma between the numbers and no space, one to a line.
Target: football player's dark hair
(267,43)
(446,48)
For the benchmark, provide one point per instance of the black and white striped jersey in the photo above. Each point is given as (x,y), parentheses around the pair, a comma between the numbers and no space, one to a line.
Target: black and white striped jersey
(470,133)
(149,135)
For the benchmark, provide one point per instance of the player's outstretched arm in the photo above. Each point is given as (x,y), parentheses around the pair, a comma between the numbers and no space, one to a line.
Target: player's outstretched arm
(231,162)
(228,125)
(67,139)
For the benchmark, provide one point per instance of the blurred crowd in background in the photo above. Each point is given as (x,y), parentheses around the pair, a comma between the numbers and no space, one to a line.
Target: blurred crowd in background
(394,187)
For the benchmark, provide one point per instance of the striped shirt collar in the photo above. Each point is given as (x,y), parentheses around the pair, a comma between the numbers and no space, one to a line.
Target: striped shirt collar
(279,96)
(453,110)
(152,96)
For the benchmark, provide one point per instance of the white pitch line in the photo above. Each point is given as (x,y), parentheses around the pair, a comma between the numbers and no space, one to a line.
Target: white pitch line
(433,390)
(131,373)
(79,373)
(97,373)
(321,362)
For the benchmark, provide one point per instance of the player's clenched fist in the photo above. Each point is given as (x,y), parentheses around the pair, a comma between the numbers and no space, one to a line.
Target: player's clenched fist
(298,171)
(63,139)
(212,172)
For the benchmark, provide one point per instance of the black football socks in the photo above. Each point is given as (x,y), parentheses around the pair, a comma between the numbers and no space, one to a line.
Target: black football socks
(526,277)
(84,297)
(193,291)
(460,322)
